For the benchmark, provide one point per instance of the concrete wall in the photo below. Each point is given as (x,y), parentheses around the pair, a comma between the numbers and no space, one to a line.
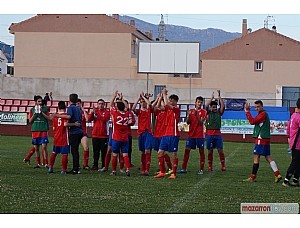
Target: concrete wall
(92,89)
(239,76)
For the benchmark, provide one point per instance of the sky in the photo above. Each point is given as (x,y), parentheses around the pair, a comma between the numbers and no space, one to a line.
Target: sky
(226,15)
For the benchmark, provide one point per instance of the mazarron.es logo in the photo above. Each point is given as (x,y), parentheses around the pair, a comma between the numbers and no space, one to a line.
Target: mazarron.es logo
(269,208)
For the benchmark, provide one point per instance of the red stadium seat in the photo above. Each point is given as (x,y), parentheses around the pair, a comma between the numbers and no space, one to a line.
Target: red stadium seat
(24,102)
(0,108)
(31,103)
(2,101)
(14,108)
(28,108)
(8,102)
(54,104)
(53,110)
(49,103)
(16,102)
(22,109)
(87,104)
(6,108)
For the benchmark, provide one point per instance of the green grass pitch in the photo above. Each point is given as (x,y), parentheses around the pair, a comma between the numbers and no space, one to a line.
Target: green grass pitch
(27,190)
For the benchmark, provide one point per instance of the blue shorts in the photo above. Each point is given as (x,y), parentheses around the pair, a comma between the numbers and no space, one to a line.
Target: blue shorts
(214,141)
(40,140)
(263,150)
(61,149)
(156,143)
(109,139)
(193,142)
(169,143)
(118,146)
(145,141)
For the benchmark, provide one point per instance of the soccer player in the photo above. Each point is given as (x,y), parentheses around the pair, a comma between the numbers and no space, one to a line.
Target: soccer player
(100,115)
(144,132)
(195,119)
(293,133)
(261,133)
(60,139)
(32,149)
(38,118)
(132,122)
(120,120)
(84,140)
(75,132)
(213,130)
(159,128)
(170,139)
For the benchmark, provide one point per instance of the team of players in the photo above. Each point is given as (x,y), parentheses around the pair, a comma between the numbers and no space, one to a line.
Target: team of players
(116,143)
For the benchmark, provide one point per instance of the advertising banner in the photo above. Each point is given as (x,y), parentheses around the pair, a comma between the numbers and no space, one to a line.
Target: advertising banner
(13,118)
(234,126)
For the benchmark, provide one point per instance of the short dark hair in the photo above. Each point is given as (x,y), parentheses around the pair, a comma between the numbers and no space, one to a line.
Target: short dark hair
(199,98)
(79,100)
(120,106)
(174,97)
(259,102)
(73,97)
(213,103)
(101,100)
(298,103)
(36,97)
(61,105)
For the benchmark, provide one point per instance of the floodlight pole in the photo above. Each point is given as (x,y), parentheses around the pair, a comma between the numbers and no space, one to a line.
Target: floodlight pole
(190,88)
(147,82)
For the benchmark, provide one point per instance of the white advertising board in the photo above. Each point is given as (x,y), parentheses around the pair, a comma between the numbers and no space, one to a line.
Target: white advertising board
(168,57)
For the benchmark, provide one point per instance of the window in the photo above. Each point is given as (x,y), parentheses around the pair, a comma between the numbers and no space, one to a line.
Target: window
(258,66)
(133,47)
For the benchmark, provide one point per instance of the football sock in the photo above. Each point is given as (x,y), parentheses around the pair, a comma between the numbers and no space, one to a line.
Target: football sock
(274,167)
(222,158)
(255,168)
(210,159)
(107,160)
(30,153)
(168,161)
(148,161)
(45,156)
(64,162)
(114,163)
(52,160)
(202,158)
(175,164)
(143,161)
(38,159)
(127,162)
(161,162)
(185,158)
(85,158)
(121,160)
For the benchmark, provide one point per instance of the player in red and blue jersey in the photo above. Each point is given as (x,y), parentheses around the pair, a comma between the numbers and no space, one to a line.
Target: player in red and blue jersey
(159,128)
(144,132)
(60,139)
(213,130)
(170,139)
(120,120)
(195,119)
